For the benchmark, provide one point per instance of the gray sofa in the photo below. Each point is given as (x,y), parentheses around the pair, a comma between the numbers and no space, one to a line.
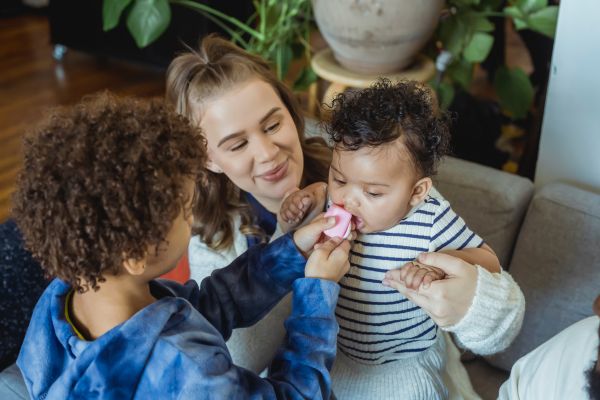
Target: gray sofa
(547,239)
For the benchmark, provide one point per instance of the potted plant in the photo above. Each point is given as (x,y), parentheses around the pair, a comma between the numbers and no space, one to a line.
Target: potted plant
(278,30)
(465,32)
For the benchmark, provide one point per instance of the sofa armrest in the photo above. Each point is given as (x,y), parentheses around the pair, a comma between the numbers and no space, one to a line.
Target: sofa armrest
(492,202)
(557,265)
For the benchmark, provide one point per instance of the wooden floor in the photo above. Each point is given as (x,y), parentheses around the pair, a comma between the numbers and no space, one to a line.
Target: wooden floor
(31,81)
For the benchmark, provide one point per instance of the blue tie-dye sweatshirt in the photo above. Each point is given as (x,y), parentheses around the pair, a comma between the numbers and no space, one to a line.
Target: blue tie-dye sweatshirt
(175,348)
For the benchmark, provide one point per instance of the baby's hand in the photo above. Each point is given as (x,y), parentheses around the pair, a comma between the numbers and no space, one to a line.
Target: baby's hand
(414,275)
(302,206)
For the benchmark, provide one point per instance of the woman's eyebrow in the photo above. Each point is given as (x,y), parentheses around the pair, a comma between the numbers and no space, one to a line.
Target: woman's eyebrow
(231,136)
(236,134)
(268,114)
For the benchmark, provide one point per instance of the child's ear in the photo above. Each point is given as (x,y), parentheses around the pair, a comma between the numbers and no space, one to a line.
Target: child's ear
(135,267)
(420,191)
(211,166)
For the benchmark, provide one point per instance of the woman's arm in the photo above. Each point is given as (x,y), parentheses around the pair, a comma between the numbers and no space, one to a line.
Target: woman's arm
(484,310)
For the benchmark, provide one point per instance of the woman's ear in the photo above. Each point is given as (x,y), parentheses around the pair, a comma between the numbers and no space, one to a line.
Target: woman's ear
(211,166)
(420,191)
(135,267)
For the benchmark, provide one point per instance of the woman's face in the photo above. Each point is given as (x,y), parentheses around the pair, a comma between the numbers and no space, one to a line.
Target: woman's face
(253,140)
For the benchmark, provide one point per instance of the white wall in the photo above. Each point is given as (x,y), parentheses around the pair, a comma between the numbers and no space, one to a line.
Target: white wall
(570,140)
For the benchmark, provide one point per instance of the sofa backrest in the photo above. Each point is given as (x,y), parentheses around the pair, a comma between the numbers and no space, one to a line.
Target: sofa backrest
(492,202)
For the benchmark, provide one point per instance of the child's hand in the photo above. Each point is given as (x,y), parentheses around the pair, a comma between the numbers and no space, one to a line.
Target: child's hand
(308,236)
(301,206)
(329,260)
(414,274)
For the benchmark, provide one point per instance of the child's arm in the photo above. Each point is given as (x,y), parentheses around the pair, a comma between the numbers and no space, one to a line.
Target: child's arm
(452,236)
(483,256)
(243,292)
(300,369)
(302,206)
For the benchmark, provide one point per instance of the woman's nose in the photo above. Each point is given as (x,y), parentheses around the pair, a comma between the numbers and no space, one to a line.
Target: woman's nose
(266,149)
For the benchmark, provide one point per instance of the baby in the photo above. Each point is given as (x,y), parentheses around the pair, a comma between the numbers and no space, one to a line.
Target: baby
(388,140)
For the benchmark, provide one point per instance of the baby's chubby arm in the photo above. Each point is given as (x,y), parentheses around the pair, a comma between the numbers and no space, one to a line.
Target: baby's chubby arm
(302,206)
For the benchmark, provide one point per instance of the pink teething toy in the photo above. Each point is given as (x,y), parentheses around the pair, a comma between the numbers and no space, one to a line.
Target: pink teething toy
(342,222)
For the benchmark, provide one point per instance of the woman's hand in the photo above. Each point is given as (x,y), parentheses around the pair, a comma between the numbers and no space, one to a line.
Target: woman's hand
(329,260)
(447,300)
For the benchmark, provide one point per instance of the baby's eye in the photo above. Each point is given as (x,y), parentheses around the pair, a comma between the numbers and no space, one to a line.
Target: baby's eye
(239,145)
(371,194)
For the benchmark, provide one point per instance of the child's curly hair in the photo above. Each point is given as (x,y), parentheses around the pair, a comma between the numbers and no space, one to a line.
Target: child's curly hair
(101,182)
(384,112)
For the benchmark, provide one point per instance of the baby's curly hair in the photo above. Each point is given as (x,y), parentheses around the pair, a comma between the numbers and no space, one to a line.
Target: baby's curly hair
(384,112)
(101,182)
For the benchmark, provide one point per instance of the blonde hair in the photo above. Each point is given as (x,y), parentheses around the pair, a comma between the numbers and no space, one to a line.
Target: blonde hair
(195,76)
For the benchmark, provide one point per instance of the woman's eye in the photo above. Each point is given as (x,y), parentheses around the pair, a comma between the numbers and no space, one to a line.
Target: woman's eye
(238,146)
(272,127)
(339,181)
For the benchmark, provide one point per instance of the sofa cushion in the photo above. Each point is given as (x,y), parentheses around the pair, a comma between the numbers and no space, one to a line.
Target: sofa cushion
(557,264)
(492,202)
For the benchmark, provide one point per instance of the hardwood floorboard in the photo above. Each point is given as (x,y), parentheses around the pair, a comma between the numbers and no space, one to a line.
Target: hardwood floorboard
(31,81)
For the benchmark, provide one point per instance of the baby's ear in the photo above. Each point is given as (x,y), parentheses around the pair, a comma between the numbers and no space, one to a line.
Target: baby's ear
(420,191)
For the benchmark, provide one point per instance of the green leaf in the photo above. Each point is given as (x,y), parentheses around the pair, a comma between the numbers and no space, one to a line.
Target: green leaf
(479,23)
(452,35)
(520,23)
(283,57)
(490,5)
(544,21)
(306,77)
(461,72)
(514,12)
(529,6)
(479,47)
(147,20)
(111,12)
(445,92)
(514,90)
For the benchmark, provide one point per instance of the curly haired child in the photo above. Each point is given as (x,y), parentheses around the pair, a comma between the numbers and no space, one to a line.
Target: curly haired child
(104,203)
(388,140)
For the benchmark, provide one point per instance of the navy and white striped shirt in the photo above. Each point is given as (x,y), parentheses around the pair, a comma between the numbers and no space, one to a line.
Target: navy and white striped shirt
(377,323)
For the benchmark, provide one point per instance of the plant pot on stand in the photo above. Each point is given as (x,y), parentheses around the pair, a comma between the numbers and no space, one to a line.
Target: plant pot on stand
(372,39)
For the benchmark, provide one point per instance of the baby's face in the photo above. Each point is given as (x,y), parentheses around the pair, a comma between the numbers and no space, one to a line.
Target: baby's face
(374,184)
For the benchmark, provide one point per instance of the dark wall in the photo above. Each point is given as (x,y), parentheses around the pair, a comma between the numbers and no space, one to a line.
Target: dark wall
(77,24)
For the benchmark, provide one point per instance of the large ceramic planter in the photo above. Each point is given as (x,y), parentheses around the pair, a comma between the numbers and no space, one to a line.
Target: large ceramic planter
(376,36)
